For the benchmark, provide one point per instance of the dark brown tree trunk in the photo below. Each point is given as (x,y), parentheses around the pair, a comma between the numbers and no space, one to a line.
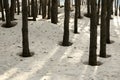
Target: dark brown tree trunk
(7,11)
(29,11)
(40,6)
(36,8)
(44,3)
(12,9)
(116,7)
(93,34)
(25,41)
(66,23)
(112,8)
(109,7)
(76,17)
(2,11)
(49,9)
(98,11)
(119,10)
(103,29)
(88,8)
(18,7)
(54,11)
(33,10)
(79,9)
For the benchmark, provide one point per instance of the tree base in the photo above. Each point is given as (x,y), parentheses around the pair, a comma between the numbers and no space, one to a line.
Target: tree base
(30,55)
(9,25)
(107,56)
(76,32)
(66,45)
(109,42)
(91,64)
(80,17)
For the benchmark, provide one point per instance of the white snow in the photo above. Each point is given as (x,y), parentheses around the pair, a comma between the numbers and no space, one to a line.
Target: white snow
(52,61)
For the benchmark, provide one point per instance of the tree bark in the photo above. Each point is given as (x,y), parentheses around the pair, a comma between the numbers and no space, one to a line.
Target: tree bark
(12,9)
(2,11)
(25,41)
(18,7)
(109,8)
(7,11)
(76,17)
(54,11)
(79,9)
(93,34)
(44,8)
(103,29)
(66,23)
(49,9)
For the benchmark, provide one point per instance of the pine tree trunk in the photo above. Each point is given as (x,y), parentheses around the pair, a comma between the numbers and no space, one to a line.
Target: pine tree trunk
(76,17)
(44,8)
(29,11)
(18,7)
(54,11)
(109,7)
(7,11)
(79,9)
(103,29)
(98,11)
(2,11)
(93,34)
(88,8)
(33,10)
(25,42)
(40,6)
(66,23)
(49,9)
(12,9)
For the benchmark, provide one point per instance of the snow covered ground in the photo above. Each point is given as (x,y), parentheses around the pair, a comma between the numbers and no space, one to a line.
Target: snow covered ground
(52,61)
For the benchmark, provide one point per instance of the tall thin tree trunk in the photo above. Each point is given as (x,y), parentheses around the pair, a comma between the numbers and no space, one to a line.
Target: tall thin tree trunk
(40,6)
(88,8)
(12,9)
(79,9)
(49,9)
(103,29)
(29,11)
(66,23)
(98,11)
(33,10)
(25,39)
(109,7)
(93,34)
(76,17)
(44,8)
(18,7)
(2,11)
(7,11)
(54,11)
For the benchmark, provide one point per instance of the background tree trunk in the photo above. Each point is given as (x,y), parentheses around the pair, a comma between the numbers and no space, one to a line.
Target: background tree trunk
(44,8)
(2,11)
(12,9)
(7,11)
(76,17)
(109,8)
(49,9)
(54,11)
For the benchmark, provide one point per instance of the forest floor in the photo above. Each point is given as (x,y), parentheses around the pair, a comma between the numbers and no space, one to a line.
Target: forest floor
(52,61)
